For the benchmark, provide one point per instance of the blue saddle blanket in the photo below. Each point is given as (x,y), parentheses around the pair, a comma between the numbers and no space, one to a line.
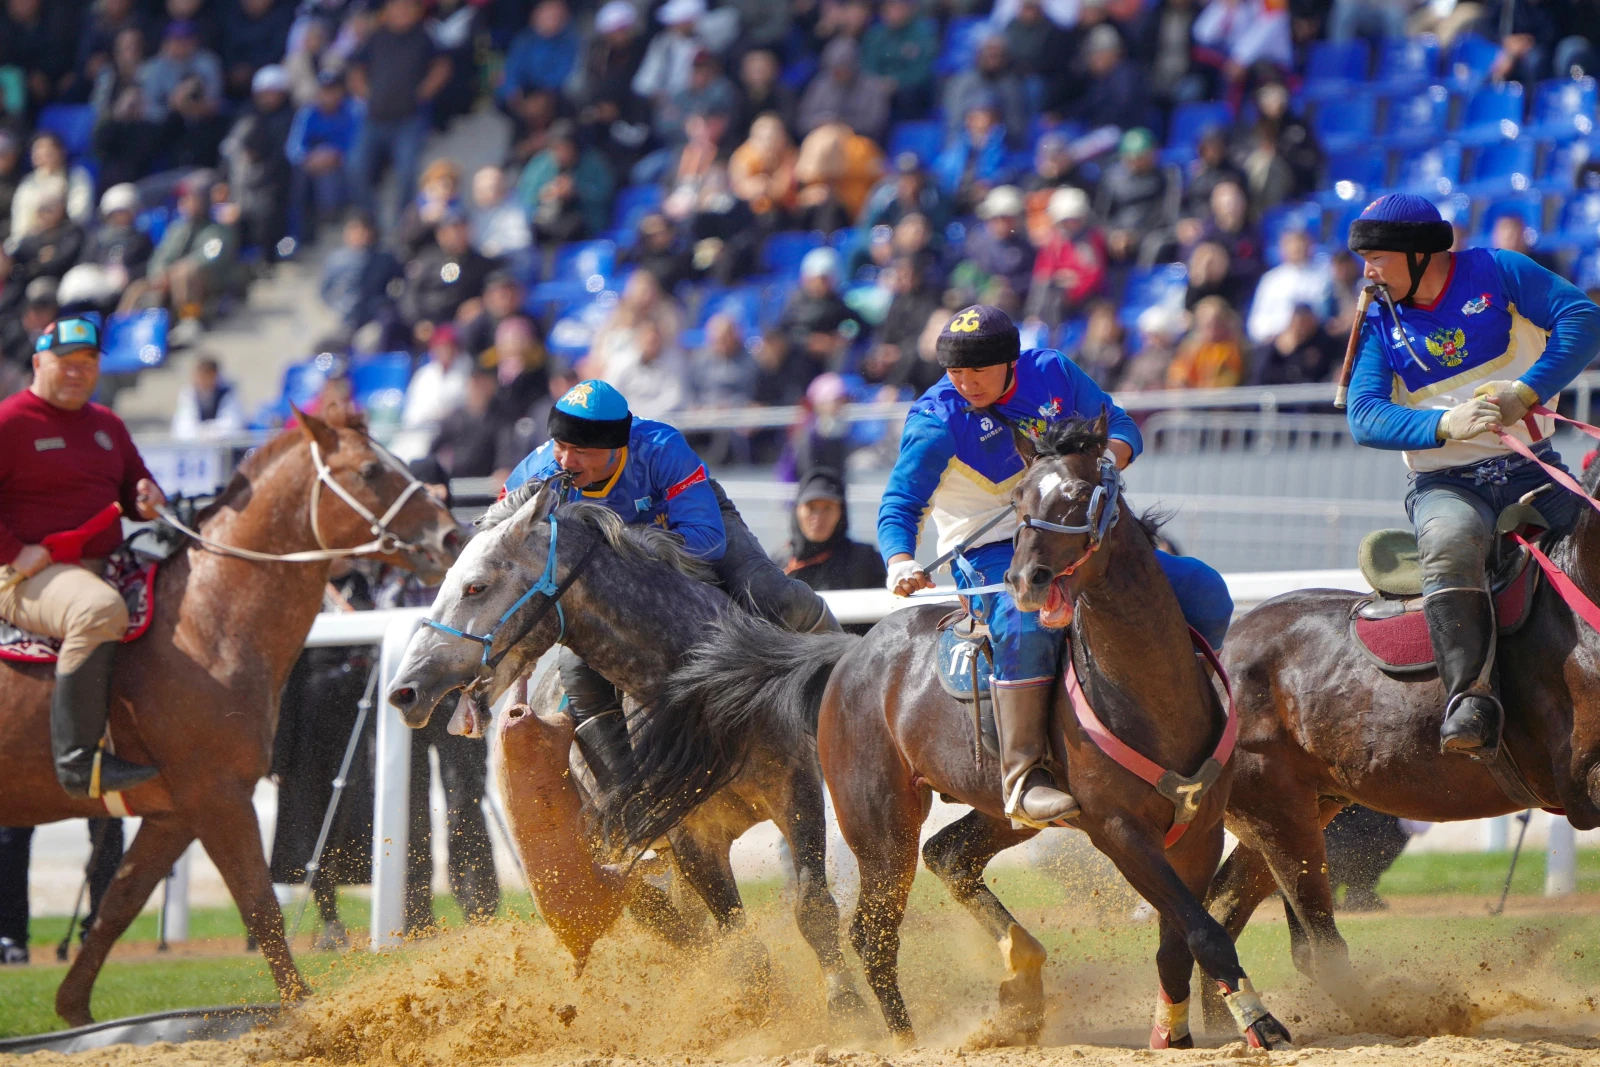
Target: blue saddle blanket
(956,656)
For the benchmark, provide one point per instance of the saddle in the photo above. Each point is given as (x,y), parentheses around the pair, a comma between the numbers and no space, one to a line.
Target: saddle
(966,661)
(131,574)
(1389,626)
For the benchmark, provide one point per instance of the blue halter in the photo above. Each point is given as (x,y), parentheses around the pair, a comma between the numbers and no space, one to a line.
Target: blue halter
(546,584)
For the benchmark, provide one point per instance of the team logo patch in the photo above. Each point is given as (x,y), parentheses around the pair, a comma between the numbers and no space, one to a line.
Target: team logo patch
(986,424)
(1052,409)
(103,439)
(966,322)
(1473,307)
(642,504)
(579,395)
(1448,346)
(48,444)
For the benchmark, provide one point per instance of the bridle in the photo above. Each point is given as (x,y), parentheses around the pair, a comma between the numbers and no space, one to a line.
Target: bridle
(384,541)
(1105,508)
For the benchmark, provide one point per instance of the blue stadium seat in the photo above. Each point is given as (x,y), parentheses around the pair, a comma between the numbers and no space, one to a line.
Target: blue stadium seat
(1189,121)
(1147,287)
(1336,219)
(1348,123)
(1285,217)
(1586,271)
(1433,170)
(135,341)
(961,40)
(1580,220)
(1530,209)
(1366,167)
(1070,335)
(783,252)
(634,203)
(73,123)
(153,222)
(1469,62)
(742,302)
(1407,62)
(798,72)
(1563,109)
(1332,67)
(1419,118)
(375,374)
(1504,166)
(1493,112)
(581,268)
(922,139)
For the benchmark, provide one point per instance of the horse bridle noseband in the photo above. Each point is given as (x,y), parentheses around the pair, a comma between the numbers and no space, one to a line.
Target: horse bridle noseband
(383,541)
(1105,508)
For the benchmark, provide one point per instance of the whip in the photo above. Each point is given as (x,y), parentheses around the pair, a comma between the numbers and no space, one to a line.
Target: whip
(1341,395)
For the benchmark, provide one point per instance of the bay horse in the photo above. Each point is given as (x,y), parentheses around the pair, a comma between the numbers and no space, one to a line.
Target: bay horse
(197,695)
(632,602)
(1321,726)
(889,736)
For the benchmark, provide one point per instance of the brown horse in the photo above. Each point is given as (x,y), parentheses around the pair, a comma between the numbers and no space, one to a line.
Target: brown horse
(197,695)
(1321,726)
(889,737)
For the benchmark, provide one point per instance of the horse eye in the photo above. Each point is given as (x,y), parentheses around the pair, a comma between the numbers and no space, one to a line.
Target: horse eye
(371,469)
(473,589)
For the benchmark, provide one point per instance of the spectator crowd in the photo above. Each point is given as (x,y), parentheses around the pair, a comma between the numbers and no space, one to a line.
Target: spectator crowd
(722,203)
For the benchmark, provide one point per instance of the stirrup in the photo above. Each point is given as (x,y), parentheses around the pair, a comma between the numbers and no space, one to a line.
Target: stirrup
(1020,819)
(1488,750)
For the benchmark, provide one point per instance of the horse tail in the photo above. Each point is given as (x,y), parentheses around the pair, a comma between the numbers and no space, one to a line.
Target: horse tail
(748,681)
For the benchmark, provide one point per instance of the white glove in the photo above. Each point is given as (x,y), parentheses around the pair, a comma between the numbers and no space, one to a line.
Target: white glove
(1513,399)
(907,570)
(1469,419)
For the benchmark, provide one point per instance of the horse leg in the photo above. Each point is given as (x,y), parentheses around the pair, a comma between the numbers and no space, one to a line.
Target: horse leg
(705,865)
(1144,863)
(1237,889)
(803,822)
(156,847)
(228,829)
(958,854)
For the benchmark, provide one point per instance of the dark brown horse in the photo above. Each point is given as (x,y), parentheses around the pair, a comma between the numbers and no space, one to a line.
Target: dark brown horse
(889,737)
(1321,726)
(197,695)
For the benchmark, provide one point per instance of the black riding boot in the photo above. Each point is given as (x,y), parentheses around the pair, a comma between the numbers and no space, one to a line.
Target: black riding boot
(78,712)
(603,740)
(1461,626)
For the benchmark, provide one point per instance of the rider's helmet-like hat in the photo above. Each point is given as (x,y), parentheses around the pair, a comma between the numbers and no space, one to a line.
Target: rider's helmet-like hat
(1403,222)
(979,336)
(592,414)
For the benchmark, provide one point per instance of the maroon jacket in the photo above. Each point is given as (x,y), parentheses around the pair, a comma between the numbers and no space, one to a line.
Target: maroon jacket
(59,468)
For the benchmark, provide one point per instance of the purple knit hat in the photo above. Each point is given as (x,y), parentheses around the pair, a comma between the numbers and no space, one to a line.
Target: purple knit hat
(1401,222)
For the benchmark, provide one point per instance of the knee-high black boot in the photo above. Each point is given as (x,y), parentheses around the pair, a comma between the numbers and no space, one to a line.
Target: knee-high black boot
(1461,627)
(78,712)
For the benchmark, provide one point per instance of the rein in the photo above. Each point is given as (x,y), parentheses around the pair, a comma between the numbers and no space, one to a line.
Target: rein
(1185,792)
(1105,508)
(547,586)
(383,541)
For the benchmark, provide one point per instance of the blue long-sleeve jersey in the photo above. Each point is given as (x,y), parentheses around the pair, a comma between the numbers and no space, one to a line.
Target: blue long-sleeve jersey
(313,128)
(960,465)
(660,480)
(1500,316)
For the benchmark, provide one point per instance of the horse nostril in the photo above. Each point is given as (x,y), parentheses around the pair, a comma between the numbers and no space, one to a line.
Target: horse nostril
(1039,574)
(403,697)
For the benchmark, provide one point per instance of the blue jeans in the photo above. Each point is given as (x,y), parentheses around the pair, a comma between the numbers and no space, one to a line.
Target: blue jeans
(399,143)
(315,199)
(1027,653)
(1366,18)
(1454,510)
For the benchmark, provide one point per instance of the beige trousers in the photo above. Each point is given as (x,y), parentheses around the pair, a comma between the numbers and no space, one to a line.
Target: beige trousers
(68,601)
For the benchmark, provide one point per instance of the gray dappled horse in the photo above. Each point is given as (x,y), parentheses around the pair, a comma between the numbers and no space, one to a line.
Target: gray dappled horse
(631,602)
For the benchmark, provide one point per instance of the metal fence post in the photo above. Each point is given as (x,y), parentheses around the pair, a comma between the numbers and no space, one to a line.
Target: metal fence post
(392,789)
(1561,862)
(175,905)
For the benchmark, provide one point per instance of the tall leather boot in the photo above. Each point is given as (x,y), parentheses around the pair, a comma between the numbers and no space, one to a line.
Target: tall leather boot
(603,740)
(78,711)
(826,623)
(1461,627)
(1021,716)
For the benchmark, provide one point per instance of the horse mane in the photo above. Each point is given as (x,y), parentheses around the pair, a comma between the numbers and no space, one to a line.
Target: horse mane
(508,505)
(640,543)
(1077,436)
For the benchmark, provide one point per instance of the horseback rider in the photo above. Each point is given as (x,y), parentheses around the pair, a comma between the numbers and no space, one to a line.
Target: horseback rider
(63,460)
(959,460)
(646,472)
(1458,348)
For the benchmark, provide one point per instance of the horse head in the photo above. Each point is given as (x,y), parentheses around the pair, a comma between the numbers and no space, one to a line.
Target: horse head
(364,493)
(474,642)
(1067,502)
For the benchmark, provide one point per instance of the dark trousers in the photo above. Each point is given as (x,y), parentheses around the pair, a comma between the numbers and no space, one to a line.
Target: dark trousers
(463,771)
(16,848)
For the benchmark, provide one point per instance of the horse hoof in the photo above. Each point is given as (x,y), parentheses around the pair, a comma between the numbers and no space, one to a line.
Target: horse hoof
(1003,1033)
(1267,1033)
(844,1003)
(75,1017)
(1161,1038)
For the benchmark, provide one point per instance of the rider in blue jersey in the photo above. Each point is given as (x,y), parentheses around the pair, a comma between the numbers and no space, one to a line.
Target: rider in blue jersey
(959,463)
(647,473)
(1467,344)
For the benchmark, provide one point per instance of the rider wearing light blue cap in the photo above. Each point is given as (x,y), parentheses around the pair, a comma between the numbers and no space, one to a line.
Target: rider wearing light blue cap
(646,472)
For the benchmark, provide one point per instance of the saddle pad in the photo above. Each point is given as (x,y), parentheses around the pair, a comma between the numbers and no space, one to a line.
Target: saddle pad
(133,578)
(956,657)
(1399,642)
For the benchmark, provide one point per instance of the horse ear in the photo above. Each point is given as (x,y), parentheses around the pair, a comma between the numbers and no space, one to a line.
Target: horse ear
(1025,446)
(1102,424)
(314,429)
(539,505)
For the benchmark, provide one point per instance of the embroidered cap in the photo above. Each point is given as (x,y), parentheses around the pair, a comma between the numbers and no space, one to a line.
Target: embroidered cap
(69,335)
(592,414)
(979,336)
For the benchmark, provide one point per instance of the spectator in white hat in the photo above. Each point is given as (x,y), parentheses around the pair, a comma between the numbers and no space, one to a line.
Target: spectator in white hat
(669,61)
(816,319)
(117,251)
(1071,267)
(258,162)
(998,259)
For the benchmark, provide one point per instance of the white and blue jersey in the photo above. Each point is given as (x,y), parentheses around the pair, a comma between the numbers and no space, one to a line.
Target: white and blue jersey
(959,465)
(660,480)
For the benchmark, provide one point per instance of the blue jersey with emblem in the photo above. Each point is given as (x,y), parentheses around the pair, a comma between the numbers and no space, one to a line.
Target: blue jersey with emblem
(1501,316)
(660,480)
(960,464)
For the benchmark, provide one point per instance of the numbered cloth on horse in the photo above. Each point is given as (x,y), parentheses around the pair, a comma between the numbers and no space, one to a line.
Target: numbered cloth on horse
(966,663)
(129,574)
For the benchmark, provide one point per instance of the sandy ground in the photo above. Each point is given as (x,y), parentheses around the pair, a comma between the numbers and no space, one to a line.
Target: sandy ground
(507,994)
